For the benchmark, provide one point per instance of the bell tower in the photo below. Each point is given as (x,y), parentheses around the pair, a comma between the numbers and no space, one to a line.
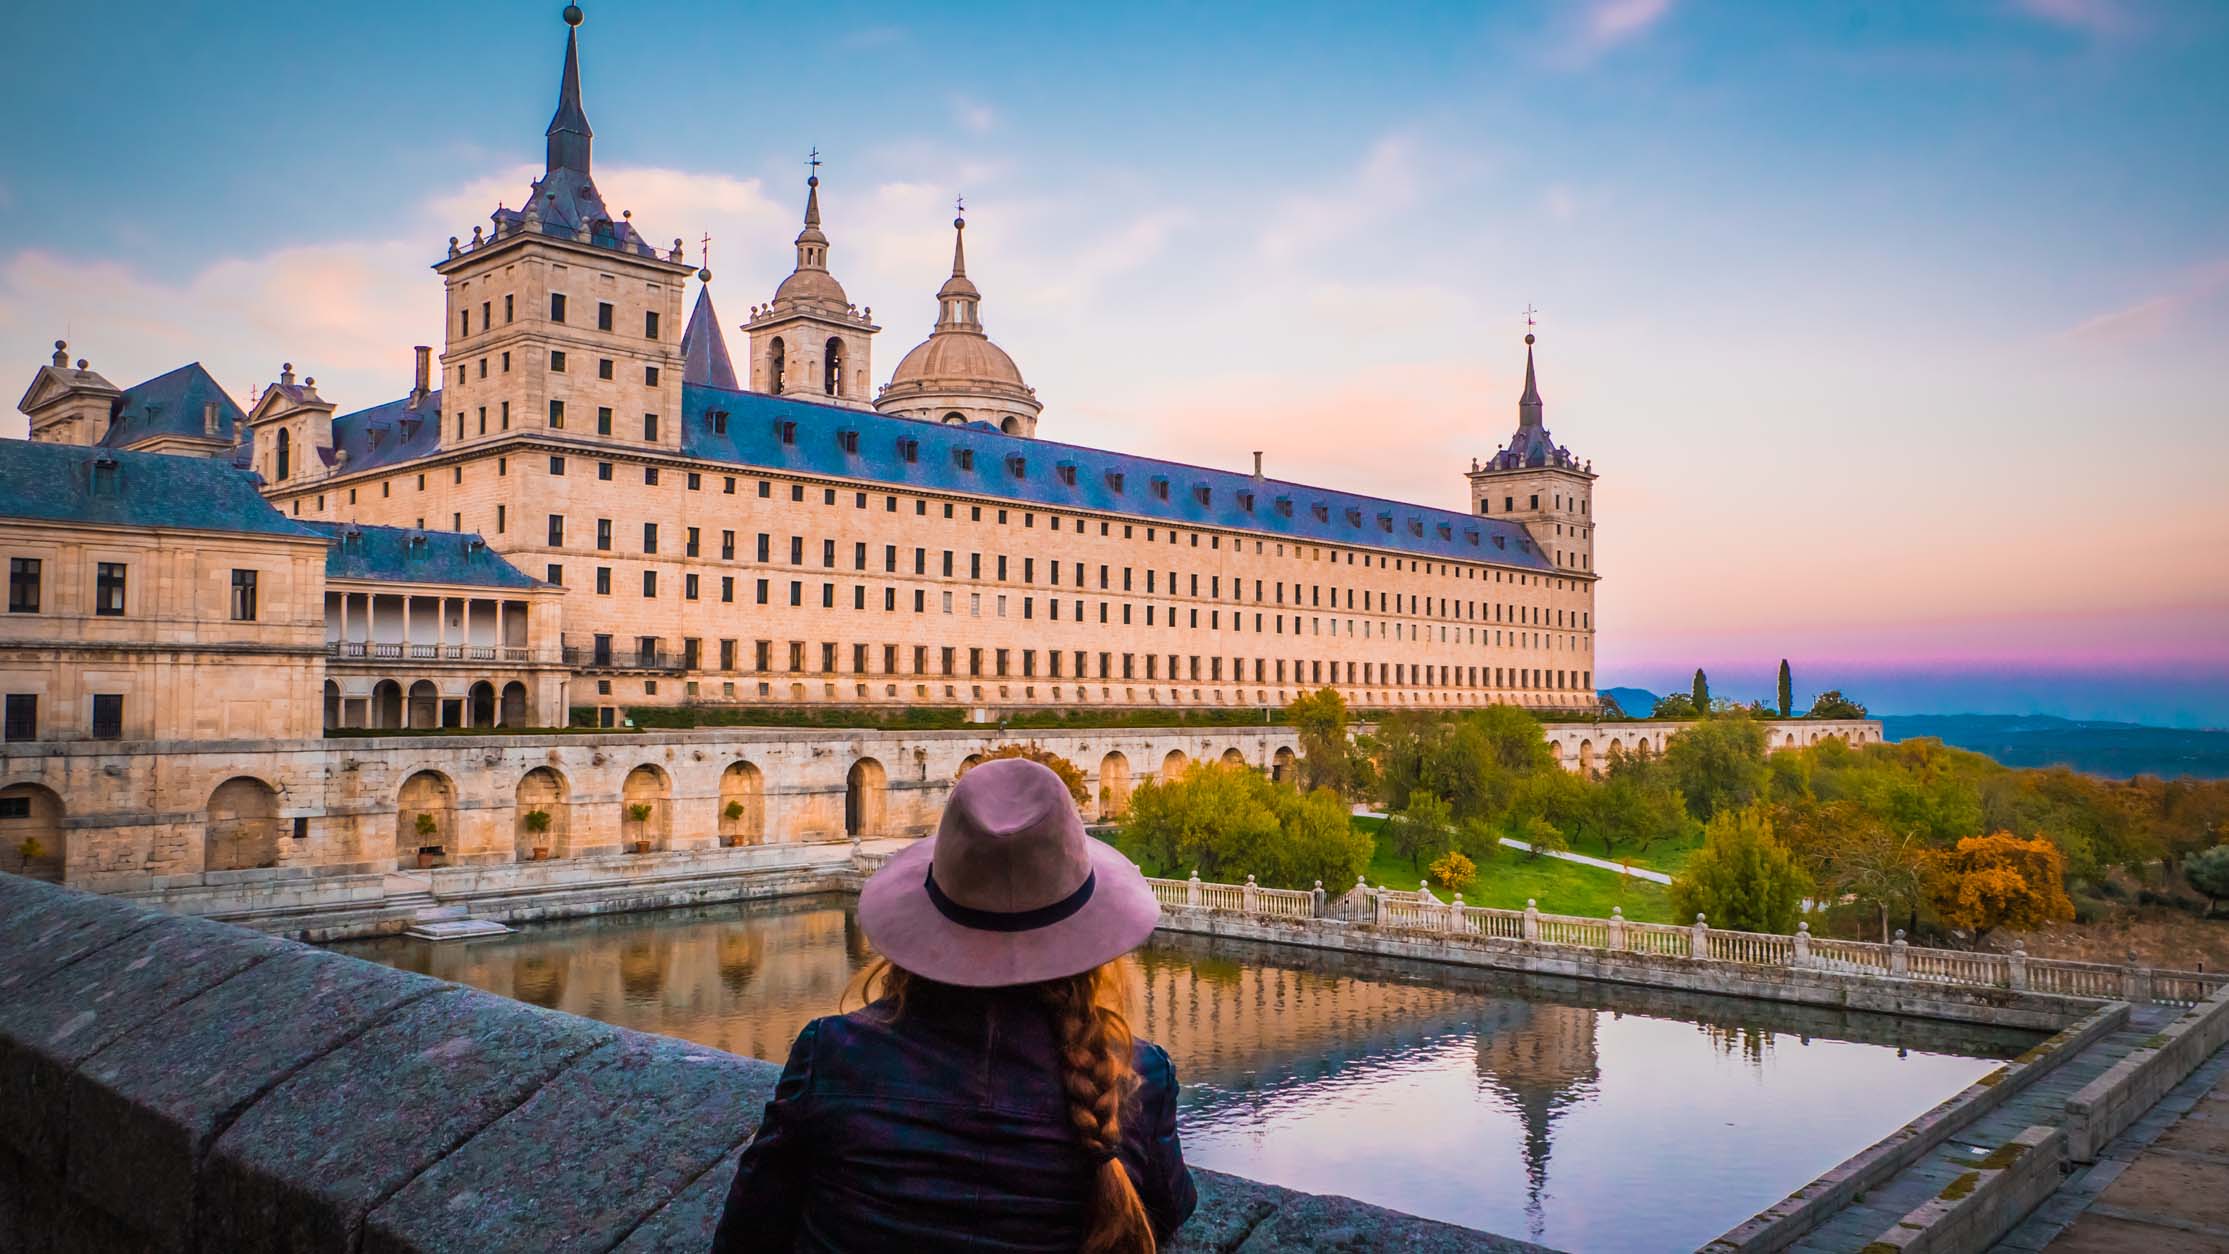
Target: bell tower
(810,341)
(1538,484)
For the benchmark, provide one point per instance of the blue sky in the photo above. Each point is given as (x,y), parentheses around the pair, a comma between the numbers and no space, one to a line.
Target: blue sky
(1896,331)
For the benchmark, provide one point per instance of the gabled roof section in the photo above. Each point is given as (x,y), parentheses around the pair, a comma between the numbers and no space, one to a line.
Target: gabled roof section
(175,404)
(410,555)
(983,461)
(386,434)
(704,349)
(59,376)
(71,483)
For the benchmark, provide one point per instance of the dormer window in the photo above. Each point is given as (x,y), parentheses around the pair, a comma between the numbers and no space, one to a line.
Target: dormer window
(1354,517)
(1321,511)
(1067,473)
(1201,493)
(1470,537)
(964,458)
(1284,507)
(1385,522)
(1246,501)
(848,441)
(786,432)
(1016,465)
(1501,542)
(1160,488)
(909,451)
(1114,480)
(719,422)
(1416,526)
(1447,532)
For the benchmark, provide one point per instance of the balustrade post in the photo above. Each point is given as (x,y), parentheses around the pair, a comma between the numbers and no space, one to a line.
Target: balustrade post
(1899,956)
(1192,890)
(2016,966)
(1617,927)
(1803,945)
(2136,982)
(1454,915)
(1698,939)
(1315,907)
(1532,920)
(1248,896)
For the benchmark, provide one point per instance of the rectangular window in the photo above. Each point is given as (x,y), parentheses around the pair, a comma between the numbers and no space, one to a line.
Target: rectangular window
(603,470)
(603,420)
(650,537)
(603,315)
(727,588)
(603,367)
(243,596)
(108,589)
(650,426)
(557,415)
(650,376)
(603,581)
(603,534)
(557,530)
(557,361)
(727,546)
(557,306)
(689,587)
(557,574)
(650,324)
(22,717)
(691,546)
(108,716)
(650,583)
(23,585)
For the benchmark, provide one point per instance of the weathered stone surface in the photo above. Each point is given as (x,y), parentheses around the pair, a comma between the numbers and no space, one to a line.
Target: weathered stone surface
(49,1028)
(1313,1223)
(684,1225)
(145,1109)
(44,929)
(304,1165)
(587,1158)
(1230,1207)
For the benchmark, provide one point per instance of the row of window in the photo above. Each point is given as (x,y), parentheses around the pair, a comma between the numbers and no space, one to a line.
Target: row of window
(21,717)
(606,315)
(26,580)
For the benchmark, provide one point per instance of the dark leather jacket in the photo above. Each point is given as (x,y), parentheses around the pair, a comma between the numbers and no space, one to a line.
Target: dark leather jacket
(941,1130)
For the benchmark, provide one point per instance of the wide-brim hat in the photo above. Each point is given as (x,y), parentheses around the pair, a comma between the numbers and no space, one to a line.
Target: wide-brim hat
(1010,890)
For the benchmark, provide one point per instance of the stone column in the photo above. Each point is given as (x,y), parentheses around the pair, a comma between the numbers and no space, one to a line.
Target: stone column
(1617,927)
(1899,959)
(1192,890)
(2136,982)
(1455,915)
(1531,926)
(1249,896)
(1803,945)
(1315,908)
(1698,945)
(2016,966)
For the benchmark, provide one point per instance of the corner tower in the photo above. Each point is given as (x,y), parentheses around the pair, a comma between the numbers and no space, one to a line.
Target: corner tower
(561,317)
(957,375)
(810,341)
(1538,484)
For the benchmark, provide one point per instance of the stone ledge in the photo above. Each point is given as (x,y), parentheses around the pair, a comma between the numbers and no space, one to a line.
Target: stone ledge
(181,1084)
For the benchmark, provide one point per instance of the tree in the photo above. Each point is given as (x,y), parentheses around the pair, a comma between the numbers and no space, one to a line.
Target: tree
(2208,872)
(1070,774)
(1625,810)
(1419,830)
(1832,704)
(1544,837)
(1677,705)
(1701,694)
(1742,878)
(1453,871)
(1999,880)
(1718,765)
(1229,824)
(1787,690)
(1327,756)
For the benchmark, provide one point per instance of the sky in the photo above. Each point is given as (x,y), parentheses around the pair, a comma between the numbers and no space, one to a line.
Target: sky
(1897,333)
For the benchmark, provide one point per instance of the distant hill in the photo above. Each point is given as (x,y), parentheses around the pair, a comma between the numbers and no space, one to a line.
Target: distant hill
(1636,702)
(2115,750)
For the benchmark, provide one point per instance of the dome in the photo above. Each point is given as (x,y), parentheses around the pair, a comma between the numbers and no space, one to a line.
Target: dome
(955,360)
(816,287)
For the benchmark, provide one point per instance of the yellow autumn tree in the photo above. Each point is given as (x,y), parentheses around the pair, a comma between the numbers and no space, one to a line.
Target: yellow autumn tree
(1068,771)
(1999,880)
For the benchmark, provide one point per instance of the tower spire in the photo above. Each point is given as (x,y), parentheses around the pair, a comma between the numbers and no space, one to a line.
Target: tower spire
(569,134)
(1528,405)
(957,300)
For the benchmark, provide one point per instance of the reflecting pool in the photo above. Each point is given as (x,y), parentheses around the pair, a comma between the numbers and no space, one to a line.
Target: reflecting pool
(1584,1116)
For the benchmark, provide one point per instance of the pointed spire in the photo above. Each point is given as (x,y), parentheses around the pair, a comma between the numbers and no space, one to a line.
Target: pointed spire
(704,349)
(569,134)
(958,302)
(1528,405)
(959,239)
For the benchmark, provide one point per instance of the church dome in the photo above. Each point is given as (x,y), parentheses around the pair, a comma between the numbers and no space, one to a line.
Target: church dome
(957,358)
(957,374)
(816,287)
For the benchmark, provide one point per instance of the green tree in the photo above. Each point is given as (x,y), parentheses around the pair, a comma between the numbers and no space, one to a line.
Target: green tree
(1701,693)
(1420,831)
(1678,705)
(1742,878)
(1200,820)
(2208,872)
(1327,753)
(1544,837)
(1318,842)
(1625,811)
(1787,692)
(1718,765)
(1832,704)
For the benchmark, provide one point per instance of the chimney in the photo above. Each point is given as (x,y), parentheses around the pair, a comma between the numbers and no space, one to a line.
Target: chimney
(423,383)
(1257,463)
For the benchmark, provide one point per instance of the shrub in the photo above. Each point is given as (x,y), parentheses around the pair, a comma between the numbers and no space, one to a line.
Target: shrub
(1229,824)
(537,821)
(31,849)
(1999,880)
(732,811)
(1068,771)
(426,824)
(1454,871)
(639,812)
(2208,872)
(1742,878)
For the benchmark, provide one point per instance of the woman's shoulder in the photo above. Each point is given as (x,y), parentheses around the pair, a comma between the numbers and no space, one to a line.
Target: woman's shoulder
(1152,1063)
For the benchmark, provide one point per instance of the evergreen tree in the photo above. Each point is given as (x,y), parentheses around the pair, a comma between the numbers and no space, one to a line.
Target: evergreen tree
(1787,690)
(1702,693)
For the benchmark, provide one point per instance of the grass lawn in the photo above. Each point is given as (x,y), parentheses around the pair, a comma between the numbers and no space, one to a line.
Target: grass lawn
(1666,856)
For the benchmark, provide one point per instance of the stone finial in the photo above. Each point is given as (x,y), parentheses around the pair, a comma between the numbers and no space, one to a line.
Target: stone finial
(82,364)
(1250,880)
(286,373)
(1699,923)
(453,250)
(61,353)
(476,241)
(1617,912)
(1804,928)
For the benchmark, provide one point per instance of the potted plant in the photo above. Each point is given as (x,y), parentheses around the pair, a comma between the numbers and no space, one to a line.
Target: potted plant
(733,813)
(31,850)
(537,827)
(428,827)
(639,815)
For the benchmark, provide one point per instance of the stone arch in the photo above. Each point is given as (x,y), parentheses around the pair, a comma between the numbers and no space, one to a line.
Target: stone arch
(1172,766)
(425,705)
(1010,425)
(1282,763)
(1114,786)
(866,798)
(386,704)
(542,790)
(1586,758)
(955,419)
(832,372)
(332,705)
(429,795)
(969,763)
(242,826)
(648,793)
(777,361)
(479,705)
(32,840)
(1555,751)
(285,454)
(513,711)
(1233,757)
(742,805)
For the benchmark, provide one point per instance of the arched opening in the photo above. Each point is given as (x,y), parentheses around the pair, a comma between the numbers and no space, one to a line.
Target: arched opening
(1555,752)
(425,704)
(286,453)
(332,705)
(1010,425)
(482,703)
(1172,766)
(955,418)
(241,831)
(1586,758)
(425,820)
(833,377)
(1114,786)
(646,810)
(866,796)
(742,805)
(969,763)
(31,839)
(513,713)
(386,704)
(543,815)
(777,361)
(1232,757)
(1281,764)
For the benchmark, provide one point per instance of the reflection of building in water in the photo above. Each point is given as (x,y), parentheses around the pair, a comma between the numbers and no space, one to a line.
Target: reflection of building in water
(1222,1020)
(1539,1058)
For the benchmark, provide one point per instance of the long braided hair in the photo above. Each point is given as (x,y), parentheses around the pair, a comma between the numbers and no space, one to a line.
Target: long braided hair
(1090,1017)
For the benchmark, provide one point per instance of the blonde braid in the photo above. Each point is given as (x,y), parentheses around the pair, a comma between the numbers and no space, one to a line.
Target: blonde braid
(1094,1040)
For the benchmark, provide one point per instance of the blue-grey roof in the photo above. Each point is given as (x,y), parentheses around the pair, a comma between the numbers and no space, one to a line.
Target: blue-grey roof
(412,555)
(979,460)
(704,350)
(73,483)
(173,404)
(386,434)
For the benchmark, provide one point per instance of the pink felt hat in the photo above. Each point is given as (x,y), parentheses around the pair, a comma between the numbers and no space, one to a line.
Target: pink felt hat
(1010,890)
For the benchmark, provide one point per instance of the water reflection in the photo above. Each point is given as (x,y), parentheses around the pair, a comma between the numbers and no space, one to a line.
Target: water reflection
(1586,1116)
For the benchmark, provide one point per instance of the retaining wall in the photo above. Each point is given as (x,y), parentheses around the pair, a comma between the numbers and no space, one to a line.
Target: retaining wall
(2105,1107)
(177,1084)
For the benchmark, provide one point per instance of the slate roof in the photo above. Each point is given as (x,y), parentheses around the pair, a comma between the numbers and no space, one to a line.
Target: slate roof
(410,555)
(704,350)
(171,404)
(69,483)
(386,434)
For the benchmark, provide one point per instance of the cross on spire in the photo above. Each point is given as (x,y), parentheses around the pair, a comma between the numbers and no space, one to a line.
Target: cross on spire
(812,159)
(959,204)
(1529,312)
